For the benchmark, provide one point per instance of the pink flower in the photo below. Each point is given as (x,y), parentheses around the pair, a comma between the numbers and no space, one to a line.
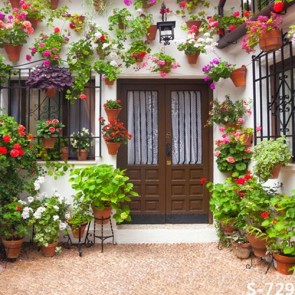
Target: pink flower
(46,62)
(175,65)
(226,140)
(217,153)
(241,120)
(230,159)
(258,128)
(127,2)
(41,44)
(47,53)
(182,4)
(236,13)
(52,129)
(221,129)
(28,57)
(163,74)
(161,62)
(33,50)
(83,96)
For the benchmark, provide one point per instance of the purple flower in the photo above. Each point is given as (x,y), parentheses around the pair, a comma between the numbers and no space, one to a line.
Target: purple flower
(21,16)
(205,68)
(33,50)
(10,17)
(47,53)
(2,15)
(128,2)
(152,2)
(215,61)
(207,78)
(212,86)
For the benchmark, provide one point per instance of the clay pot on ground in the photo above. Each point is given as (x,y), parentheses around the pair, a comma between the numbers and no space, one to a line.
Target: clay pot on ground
(192,58)
(49,251)
(284,263)
(12,248)
(242,250)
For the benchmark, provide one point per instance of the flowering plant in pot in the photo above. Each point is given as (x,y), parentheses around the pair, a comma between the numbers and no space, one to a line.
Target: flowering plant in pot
(112,109)
(49,219)
(46,77)
(103,186)
(49,128)
(50,46)
(142,3)
(232,155)
(109,69)
(163,63)
(82,140)
(291,33)
(18,160)
(76,21)
(187,7)
(34,10)
(267,154)
(136,53)
(228,111)
(217,69)
(280,228)
(104,43)
(257,28)
(119,22)
(5,71)
(14,221)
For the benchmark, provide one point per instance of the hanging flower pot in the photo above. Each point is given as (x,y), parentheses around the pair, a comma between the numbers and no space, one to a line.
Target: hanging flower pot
(82,155)
(51,92)
(101,214)
(238,76)
(12,248)
(112,114)
(247,139)
(191,23)
(109,82)
(48,143)
(192,58)
(14,3)
(13,52)
(151,33)
(271,40)
(234,125)
(49,250)
(284,263)
(113,147)
(54,4)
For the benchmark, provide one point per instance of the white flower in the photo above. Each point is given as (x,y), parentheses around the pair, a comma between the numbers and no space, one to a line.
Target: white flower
(56,194)
(98,35)
(113,63)
(55,217)
(36,185)
(30,199)
(26,212)
(62,225)
(67,215)
(56,207)
(41,179)
(37,214)
(207,34)
(128,17)
(22,202)
(105,45)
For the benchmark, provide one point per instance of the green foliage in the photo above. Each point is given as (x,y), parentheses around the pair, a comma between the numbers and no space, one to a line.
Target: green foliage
(82,140)
(13,225)
(103,186)
(137,49)
(110,70)
(269,153)
(119,22)
(139,3)
(112,104)
(5,71)
(280,225)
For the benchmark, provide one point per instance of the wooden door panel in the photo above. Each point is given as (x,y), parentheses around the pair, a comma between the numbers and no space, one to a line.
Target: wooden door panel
(169,189)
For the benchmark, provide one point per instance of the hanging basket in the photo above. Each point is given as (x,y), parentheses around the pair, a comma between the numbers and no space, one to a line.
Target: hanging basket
(238,76)
(113,147)
(109,82)
(48,143)
(192,58)
(54,4)
(234,125)
(13,52)
(152,33)
(271,40)
(112,114)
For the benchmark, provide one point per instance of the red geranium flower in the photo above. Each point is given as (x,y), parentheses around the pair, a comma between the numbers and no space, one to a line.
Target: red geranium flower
(264,214)
(278,7)
(6,138)
(203,180)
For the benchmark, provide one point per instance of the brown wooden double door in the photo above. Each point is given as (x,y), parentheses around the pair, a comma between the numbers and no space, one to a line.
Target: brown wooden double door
(170,150)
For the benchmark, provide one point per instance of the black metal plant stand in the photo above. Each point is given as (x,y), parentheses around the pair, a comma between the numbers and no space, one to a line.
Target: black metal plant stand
(260,259)
(101,236)
(87,242)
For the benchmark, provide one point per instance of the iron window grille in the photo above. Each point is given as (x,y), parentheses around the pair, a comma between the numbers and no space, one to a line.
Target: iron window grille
(274,94)
(29,105)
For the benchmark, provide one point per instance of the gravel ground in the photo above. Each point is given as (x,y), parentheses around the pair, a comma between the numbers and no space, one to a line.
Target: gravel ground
(141,269)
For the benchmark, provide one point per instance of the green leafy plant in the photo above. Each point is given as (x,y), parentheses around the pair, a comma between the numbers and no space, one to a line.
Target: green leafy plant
(232,155)
(112,104)
(80,214)
(269,153)
(187,8)
(103,186)
(280,225)
(34,9)
(82,140)
(18,160)
(49,128)
(163,63)
(110,69)
(137,51)
(49,219)
(14,220)
(119,22)
(76,21)
(5,71)
(139,3)
(228,111)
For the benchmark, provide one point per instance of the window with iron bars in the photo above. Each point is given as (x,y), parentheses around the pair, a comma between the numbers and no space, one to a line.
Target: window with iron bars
(30,105)
(274,94)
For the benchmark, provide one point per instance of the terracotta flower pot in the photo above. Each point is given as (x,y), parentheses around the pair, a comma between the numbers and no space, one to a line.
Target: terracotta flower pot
(49,251)
(112,114)
(242,250)
(238,76)
(192,58)
(48,143)
(76,230)
(258,244)
(152,33)
(109,82)
(113,147)
(191,23)
(51,92)
(64,153)
(12,248)
(14,3)
(54,4)
(284,263)
(275,172)
(271,40)
(82,155)
(101,214)
(13,52)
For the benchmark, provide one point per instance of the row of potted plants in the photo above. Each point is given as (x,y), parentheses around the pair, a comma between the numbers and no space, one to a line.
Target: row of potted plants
(99,187)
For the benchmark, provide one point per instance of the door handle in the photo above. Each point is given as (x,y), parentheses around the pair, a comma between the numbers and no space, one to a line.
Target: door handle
(168,149)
